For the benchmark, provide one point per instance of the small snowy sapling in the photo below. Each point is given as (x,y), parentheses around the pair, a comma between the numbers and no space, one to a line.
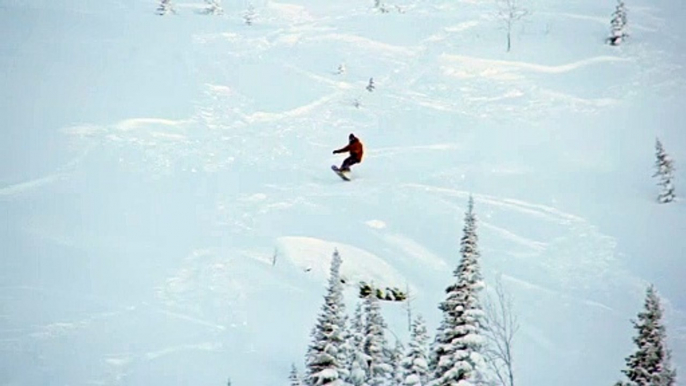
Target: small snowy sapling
(415,364)
(618,25)
(214,7)
(165,7)
(249,16)
(341,69)
(370,86)
(665,172)
(294,377)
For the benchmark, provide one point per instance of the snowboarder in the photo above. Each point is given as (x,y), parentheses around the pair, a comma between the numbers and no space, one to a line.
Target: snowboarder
(356,151)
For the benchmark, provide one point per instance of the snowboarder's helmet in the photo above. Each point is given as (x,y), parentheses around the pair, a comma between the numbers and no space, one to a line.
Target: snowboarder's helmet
(351,137)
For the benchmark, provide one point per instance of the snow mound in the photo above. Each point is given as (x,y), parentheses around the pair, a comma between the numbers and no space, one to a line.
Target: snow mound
(314,256)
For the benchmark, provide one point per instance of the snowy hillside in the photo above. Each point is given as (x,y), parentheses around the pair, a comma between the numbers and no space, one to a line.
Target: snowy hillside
(167,212)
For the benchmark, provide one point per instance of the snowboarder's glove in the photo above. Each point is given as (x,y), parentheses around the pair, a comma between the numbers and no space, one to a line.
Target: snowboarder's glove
(335,152)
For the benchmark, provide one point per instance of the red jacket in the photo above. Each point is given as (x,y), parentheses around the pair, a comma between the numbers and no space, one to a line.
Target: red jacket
(355,148)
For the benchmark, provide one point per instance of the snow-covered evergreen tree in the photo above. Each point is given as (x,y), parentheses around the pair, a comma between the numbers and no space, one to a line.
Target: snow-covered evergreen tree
(325,364)
(341,69)
(357,364)
(618,25)
(165,7)
(214,7)
(650,364)
(375,345)
(294,377)
(415,364)
(370,86)
(667,377)
(665,172)
(381,6)
(396,356)
(249,16)
(345,350)
(456,357)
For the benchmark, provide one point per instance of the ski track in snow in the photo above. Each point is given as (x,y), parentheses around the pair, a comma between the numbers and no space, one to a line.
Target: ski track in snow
(536,210)
(267,117)
(19,189)
(417,253)
(394,151)
(534,245)
(573,253)
(360,42)
(460,66)
(558,294)
(56,330)
(157,134)
(192,319)
(204,346)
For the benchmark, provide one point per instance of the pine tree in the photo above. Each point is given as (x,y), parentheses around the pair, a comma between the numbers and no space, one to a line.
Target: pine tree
(456,353)
(668,376)
(165,7)
(357,367)
(370,86)
(374,346)
(665,172)
(415,364)
(618,25)
(381,6)
(294,377)
(345,350)
(249,16)
(325,364)
(650,364)
(396,360)
(214,7)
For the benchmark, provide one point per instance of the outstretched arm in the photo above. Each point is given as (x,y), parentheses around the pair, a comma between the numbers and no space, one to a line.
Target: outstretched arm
(342,150)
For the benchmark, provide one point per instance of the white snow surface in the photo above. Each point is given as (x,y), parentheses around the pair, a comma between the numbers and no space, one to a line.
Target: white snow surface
(167,212)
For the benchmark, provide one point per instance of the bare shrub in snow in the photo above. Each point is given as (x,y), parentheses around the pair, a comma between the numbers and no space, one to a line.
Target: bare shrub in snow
(509,13)
(500,329)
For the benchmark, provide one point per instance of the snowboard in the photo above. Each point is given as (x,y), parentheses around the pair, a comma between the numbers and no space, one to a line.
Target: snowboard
(339,172)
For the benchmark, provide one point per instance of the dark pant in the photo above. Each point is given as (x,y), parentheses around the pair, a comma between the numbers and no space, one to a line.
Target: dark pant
(348,162)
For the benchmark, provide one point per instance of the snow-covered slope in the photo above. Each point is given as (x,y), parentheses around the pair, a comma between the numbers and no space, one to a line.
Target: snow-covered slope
(168,215)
